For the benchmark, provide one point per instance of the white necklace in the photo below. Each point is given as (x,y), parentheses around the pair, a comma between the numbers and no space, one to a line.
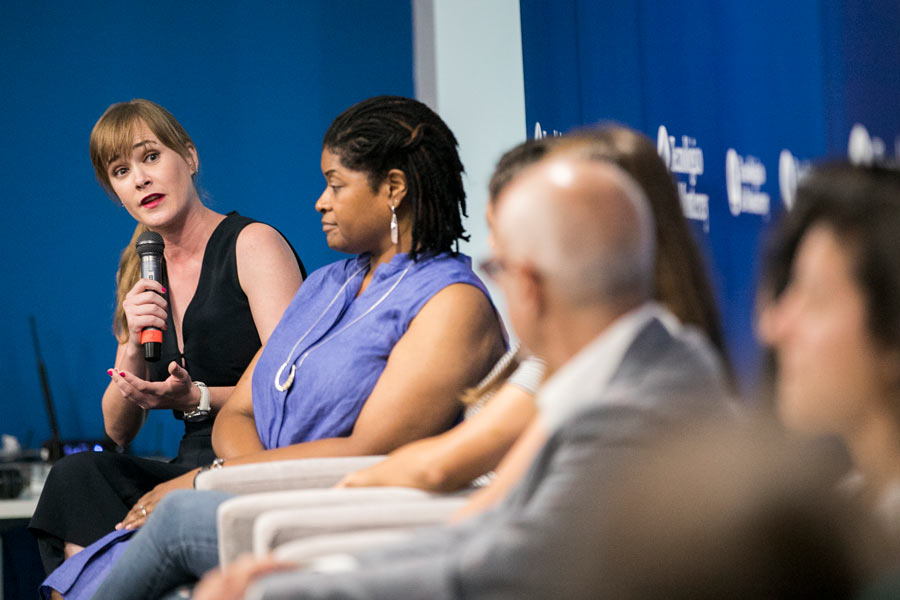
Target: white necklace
(283,387)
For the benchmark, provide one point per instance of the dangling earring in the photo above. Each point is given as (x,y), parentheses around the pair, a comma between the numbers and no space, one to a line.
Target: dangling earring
(395,229)
(122,204)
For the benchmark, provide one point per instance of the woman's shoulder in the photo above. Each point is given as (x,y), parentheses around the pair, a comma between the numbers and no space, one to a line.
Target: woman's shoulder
(250,231)
(255,234)
(452,267)
(430,274)
(447,284)
(259,243)
(240,232)
(233,224)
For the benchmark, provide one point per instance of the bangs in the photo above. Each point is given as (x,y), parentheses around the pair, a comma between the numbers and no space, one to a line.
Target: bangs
(111,138)
(114,139)
(113,134)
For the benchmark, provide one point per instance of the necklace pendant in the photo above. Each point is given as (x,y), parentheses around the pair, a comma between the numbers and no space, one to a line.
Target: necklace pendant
(287,384)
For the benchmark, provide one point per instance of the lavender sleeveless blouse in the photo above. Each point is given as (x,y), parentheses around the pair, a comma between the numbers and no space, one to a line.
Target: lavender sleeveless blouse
(344,342)
(350,338)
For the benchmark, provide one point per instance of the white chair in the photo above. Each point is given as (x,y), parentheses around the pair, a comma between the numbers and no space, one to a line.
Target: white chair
(302,473)
(315,553)
(275,528)
(304,512)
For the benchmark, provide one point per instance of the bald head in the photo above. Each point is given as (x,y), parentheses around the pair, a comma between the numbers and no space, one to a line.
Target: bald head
(584,225)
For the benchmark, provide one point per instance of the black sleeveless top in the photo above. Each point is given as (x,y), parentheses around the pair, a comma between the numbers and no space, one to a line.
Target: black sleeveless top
(220,336)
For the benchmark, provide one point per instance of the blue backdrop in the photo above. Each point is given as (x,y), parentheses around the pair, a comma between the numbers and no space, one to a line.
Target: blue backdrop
(255,84)
(762,88)
(739,96)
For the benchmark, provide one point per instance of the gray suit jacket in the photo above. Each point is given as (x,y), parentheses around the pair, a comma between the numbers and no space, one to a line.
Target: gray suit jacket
(542,541)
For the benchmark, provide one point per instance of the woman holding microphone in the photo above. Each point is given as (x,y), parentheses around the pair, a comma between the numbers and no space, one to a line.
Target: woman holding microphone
(225,283)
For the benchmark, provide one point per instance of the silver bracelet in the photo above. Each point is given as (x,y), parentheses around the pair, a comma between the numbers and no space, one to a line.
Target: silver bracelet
(214,466)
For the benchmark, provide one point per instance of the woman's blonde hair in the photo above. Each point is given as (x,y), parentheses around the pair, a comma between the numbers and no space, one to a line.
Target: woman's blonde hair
(476,397)
(113,137)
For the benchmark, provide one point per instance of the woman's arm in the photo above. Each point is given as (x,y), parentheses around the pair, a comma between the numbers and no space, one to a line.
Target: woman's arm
(510,471)
(269,276)
(144,306)
(234,432)
(453,459)
(122,418)
(449,346)
(268,273)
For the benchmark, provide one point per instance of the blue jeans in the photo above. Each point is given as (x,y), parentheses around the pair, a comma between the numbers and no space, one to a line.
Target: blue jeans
(176,546)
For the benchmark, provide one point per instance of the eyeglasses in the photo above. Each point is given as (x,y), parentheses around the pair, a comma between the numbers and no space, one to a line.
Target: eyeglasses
(492,267)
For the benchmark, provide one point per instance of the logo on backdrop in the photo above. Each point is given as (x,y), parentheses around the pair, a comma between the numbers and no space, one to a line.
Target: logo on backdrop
(540,133)
(686,159)
(863,149)
(790,172)
(744,178)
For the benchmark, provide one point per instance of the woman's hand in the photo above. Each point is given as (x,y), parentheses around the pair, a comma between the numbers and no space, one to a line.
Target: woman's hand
(176,392)
(139,512)
(144,306)
(405,467)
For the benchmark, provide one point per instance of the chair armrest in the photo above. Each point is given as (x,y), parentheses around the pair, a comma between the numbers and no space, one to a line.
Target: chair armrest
(308,552)
(235,517)
(276,527)
(278,475)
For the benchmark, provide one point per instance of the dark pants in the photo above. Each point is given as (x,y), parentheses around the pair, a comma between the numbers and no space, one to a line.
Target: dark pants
(87,493)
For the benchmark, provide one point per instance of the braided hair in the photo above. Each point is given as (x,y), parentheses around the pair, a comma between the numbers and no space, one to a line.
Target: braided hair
(392,132)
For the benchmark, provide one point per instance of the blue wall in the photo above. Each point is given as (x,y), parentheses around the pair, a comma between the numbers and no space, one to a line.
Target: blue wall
(756,78)
(255,84)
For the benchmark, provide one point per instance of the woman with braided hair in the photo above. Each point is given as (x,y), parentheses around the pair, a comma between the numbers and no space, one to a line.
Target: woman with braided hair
(373,352)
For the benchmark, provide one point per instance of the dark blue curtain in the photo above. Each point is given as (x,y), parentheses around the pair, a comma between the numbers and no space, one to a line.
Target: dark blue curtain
(735,94)
(255,83)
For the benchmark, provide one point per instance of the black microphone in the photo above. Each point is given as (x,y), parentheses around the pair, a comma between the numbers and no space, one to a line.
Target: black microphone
(150,248)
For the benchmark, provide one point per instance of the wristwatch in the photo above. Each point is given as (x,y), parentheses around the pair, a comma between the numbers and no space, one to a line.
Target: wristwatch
(201,413)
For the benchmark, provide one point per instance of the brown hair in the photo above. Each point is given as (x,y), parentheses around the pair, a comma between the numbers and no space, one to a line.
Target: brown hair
(861,205)
(492,382)
(514,162)
(681,280)
(111,138)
